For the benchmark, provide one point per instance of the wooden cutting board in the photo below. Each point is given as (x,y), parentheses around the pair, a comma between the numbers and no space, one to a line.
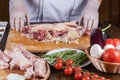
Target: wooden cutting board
(15,38)
(4,73)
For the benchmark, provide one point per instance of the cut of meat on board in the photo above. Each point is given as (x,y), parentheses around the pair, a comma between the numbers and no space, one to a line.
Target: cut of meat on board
(45,37)
(15,38)
(31,65)
(55,32)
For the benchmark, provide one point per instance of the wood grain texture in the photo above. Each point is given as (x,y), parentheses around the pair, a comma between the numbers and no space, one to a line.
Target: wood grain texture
(15,38)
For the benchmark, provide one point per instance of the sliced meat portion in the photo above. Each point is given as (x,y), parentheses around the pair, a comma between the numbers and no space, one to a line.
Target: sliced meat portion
(31,57)
(3,65)
(14,64)
(9,53)
(39,35)
(37,27)
(20,59)
(48,36)
(72,35)
(40,67)
(29,74)
(26,30)
(56,32)
(4,57)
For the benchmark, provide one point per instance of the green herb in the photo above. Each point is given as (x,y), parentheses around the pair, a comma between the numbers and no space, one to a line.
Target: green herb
(78,58)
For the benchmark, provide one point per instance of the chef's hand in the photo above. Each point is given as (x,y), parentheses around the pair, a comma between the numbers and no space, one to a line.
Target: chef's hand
(90,15)
(18,15)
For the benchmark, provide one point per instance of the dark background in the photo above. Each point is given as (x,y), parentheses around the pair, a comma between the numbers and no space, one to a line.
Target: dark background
(109,11)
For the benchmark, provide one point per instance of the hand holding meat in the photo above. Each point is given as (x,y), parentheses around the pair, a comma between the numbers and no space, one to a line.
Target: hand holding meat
(90,15)
(18,14)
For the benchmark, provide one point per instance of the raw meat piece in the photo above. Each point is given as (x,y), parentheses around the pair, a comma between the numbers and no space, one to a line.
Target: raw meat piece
(3,65)
(4,57)
(57,32)
(20,59)
(31,57)
(29,74)
(40,67)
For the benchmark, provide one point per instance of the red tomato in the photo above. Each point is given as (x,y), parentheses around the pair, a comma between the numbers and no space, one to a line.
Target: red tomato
(77,69)
(69,62)
(58,66)
(111,55)
(78,76)
(86,78)
(116,41)
(87,73)
(108,41)
(68,70)
(58,59)
(94,75)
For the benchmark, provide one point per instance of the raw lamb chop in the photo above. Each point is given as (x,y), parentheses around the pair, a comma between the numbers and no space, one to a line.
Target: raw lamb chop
(4,57)
(29,74)
(20,59)
(40,67)
(31,57)
(3,65)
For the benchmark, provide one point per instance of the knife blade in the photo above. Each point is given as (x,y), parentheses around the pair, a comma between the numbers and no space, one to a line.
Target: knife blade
(3,25)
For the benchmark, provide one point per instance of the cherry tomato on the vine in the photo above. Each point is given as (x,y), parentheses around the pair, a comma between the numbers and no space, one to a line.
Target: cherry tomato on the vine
(94,75)
(69,62)
(58,59)
(86,78)
(68,70)
(58,66)
(77,69)
(78,76)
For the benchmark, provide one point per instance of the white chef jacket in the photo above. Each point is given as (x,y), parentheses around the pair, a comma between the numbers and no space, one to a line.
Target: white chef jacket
(55,10)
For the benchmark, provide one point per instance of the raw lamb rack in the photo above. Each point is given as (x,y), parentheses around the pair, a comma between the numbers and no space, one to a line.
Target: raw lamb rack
(20,58)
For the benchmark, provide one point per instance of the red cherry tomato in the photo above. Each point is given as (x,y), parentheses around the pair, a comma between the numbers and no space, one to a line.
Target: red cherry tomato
(77,69)
(78,76)
(111,55)
(58,59)
(68,70)
(86,78)
(108,41)
(94,75)
(116,41)
(58,66)
(69,62)
(87,73)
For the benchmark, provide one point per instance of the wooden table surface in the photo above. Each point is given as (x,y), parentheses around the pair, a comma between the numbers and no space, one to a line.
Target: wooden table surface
(59,75)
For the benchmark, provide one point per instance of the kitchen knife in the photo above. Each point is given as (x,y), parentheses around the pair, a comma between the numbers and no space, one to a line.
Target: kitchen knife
(3,26)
